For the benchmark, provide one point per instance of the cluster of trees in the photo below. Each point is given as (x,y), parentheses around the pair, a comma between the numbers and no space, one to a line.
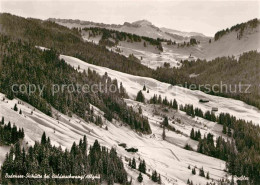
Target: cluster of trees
(191,111)
(240,28)
(158,100)
(195,135)
(43,158)
(192,42)
(241,153)
(142,169)
(22,63)
(9,134)
(156,177)
(121,36)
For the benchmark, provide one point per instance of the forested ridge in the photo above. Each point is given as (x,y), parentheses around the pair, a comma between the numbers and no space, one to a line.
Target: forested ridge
(23,63)
(122,36)
(69,42)
(239,28)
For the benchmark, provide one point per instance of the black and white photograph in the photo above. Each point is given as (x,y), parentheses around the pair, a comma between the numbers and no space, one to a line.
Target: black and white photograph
(131,92)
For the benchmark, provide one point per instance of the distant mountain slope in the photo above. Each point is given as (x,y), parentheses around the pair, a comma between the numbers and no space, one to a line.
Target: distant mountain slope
(235,41)
(141,27)
(182,33)
(232,41)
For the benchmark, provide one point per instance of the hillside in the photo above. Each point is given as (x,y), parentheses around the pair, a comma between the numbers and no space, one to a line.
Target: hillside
(202,138)
(230,42)
(235,41)
(64,40)
(141,27)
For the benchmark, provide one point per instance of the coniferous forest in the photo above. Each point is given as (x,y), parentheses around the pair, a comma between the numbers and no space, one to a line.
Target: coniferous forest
(9,134)
(22,63)
(45,159)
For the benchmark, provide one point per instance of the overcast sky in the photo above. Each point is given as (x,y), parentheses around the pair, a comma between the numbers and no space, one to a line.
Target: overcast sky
(194,15)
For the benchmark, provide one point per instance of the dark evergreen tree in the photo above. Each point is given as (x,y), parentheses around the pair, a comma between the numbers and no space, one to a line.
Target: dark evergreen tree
(15,107)
(140,178)
(201,173)
(163,134)
(133,163)
(193,171)
(154,176)
(144,88)
(140,97)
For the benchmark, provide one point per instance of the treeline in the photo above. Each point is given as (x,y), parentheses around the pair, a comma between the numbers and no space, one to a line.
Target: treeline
(45,159)
(240,28)
(121,36)
(22,63)
(158,100)
(9,134)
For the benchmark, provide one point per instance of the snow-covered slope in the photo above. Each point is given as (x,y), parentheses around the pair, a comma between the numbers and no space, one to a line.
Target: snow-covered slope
(167,157)
(183,95)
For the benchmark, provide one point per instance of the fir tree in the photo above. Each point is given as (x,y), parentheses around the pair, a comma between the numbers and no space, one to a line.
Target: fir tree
(193,171)
(224,131)
(207,175)
(144,88)
(192,135)
(140,178)
(154,176)
(133,164)
(201,173)
(175,104)
(165,122)
(15,107)
(130,163)
(142,166)
(163,134)
(140,97)
(43,139)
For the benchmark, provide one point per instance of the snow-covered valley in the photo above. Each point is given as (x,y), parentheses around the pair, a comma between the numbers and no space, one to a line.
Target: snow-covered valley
(166,156)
